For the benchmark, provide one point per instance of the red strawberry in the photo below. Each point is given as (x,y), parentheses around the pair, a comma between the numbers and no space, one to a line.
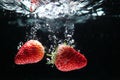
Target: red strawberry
(67,59)
(30,5)
(34,5)
(31,52)
(34,1)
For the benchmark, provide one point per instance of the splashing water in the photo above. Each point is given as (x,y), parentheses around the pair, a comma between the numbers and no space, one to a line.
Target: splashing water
(53,16)
(53,8)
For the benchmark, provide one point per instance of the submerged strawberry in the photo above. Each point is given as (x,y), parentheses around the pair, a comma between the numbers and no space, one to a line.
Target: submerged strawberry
(31,52)
(29,5)
(67,58)
(34,5)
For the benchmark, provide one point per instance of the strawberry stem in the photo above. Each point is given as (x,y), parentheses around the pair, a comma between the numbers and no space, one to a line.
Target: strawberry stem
(52,56)
(49,55)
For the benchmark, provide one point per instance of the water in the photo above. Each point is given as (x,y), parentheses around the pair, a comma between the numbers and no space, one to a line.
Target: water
(53,16)
(54,9)
(94,38)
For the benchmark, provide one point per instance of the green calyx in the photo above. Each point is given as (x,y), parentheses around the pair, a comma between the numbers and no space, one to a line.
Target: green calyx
(52,56)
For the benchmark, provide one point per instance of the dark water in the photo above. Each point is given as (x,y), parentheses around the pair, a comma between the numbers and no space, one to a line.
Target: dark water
(98,39)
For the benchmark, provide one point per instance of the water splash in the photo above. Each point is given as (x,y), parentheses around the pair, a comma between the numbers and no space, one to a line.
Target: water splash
(53,16)
(52,8)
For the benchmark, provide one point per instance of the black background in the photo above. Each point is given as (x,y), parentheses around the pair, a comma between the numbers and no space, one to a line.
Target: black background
(98,39)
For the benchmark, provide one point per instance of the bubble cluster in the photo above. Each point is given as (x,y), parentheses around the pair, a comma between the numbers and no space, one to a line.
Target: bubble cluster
(53,16)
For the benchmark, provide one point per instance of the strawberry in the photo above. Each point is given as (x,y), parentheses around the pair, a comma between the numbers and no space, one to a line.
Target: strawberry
(66,58)
(30,5)
(34,1)
(31,52)
(34,5)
